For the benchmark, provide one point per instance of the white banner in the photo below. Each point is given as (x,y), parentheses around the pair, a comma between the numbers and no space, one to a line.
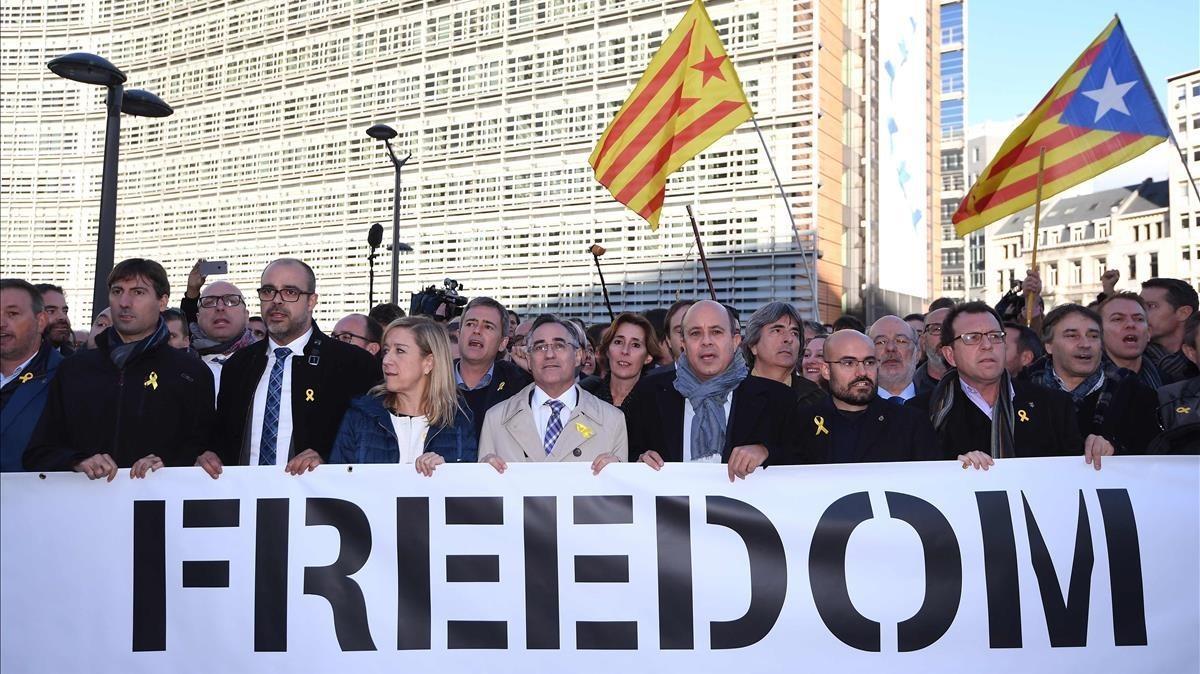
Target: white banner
(1038,565)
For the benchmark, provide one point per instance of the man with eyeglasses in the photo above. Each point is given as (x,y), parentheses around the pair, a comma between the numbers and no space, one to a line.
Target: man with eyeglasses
(282,398)
(934,368)
(553,419)
(708,409)
(855,424)
(360,330)
(217,320)
(896,348)
(980,414)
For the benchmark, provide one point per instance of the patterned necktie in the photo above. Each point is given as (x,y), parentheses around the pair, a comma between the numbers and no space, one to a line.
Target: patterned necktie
(270,431)
(555,427)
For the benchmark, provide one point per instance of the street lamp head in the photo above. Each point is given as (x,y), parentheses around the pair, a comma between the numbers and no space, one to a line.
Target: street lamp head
(142,103)
(404,247)
(87,68)
(382,132)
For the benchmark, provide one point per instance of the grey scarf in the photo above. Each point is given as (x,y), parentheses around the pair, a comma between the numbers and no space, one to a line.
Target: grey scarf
(942,401)
(121,352)
(708,403)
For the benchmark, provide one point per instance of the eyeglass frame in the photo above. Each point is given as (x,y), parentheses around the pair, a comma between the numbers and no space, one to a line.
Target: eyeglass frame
(279,293)
(849,362)
(220,299)
(559,347)
(894,341)
(345,333)
(993,336)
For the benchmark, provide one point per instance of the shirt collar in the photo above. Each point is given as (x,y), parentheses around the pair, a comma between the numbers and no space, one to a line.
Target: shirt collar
(569,398)
(297,345)
(20,368)
(1063,386)
(483,381)
(908,393)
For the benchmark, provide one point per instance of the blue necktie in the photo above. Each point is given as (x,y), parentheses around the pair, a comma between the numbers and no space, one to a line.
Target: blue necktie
(554,428)
(270,431)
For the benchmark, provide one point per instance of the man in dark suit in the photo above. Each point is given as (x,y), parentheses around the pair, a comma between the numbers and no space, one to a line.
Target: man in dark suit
(27,364)
(282,398)
(856,425)
(708,408)
(484,378)
(981,415)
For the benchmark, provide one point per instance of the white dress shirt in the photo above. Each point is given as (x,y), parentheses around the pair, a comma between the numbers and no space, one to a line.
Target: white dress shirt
(284,438)
(976,397)
(214,362)
(17,372)
(908,393)
(542,411)
(688,415)
(410,436)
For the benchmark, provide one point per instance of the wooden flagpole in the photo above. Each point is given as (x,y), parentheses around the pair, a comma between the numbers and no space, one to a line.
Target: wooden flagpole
(700,247)
(1037,221)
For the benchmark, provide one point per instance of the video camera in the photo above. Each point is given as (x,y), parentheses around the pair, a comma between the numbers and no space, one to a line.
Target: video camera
(440,304)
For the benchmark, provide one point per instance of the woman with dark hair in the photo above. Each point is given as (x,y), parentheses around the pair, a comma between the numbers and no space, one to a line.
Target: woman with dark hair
(416,415)
(628,348)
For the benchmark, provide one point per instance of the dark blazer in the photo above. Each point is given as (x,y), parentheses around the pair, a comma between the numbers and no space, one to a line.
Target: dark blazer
(507,379)
(21,404)
(806,392)
(161,403)
(335,372)
(1047,427)
(885,432)
(367,436)
(758,414)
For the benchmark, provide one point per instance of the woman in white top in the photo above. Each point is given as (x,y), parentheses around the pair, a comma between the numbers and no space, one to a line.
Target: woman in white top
(416,415)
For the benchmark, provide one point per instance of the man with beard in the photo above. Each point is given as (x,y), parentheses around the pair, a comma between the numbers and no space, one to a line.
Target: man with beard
(483,378)
(896,348)
(1126,336)
(58,324)
(27,365)
(855,425)
(707,409)
(1118,408)
(133,402)
(772,350)
(282,398)
(218,320)
(934,367)
(980,414)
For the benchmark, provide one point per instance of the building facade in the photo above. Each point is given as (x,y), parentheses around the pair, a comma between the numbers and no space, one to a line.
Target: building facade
(1183,116)
(499,102)
(958,255)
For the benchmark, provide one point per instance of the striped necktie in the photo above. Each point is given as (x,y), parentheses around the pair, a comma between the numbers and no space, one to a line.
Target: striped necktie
(555,427)
(270,431)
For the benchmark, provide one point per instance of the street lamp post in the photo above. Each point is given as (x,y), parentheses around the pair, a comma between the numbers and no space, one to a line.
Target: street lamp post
(95,70)
(386,134)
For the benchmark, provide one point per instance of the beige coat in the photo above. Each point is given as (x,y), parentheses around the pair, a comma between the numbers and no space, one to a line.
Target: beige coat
(594,428)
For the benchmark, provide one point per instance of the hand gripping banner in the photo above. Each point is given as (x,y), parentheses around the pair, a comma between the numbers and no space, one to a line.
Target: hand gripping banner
(1038,565)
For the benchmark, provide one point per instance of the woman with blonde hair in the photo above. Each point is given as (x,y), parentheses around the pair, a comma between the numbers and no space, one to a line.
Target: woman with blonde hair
(416,415)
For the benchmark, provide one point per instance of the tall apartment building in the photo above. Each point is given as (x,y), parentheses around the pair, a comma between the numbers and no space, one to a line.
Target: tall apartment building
(1183,115)
(499,102)
(959,256)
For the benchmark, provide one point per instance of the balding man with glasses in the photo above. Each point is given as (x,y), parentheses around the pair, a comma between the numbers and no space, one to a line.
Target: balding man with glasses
(896,348)
(218,320)
(980,414)
(282,398)
(855,424)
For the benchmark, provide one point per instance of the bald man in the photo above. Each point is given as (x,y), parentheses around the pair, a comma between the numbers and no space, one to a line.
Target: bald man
(708,409)
(218,320)
(897,350)
(855,425)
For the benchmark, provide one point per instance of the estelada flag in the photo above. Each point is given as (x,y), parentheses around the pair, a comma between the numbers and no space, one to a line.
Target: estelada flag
(1102,112)
(688,97)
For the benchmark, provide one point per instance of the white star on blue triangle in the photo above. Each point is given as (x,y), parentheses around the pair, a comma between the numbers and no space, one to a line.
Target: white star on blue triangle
(1114,94)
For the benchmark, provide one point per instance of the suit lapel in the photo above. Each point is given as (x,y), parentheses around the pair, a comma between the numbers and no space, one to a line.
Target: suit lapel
(21,397)
(670,410)
(572,438)
(874,424)
(744,411)
(522,429)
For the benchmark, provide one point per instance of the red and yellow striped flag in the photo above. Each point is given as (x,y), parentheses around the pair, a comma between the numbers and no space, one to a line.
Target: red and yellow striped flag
(688,97)
(1102,112)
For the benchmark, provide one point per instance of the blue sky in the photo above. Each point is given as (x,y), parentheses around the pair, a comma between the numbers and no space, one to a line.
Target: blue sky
(1017,49)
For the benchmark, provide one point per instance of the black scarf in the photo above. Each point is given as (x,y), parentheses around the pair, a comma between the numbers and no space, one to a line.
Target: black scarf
(942,401)
(122,353)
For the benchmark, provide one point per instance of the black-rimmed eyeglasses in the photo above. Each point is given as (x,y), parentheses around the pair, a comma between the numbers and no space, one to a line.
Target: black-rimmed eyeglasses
(210,301)
(287,294)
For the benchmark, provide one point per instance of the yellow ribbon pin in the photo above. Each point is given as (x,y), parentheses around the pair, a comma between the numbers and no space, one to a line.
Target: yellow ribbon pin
(584,430)
(152,382)
(25,377)
(308,396)
(1022,415)
(820,422)
(1178,410)
(501,386)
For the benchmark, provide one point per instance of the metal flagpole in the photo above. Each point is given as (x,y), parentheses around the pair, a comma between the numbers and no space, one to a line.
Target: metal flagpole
(812,280)
(1037,221)
(712,291)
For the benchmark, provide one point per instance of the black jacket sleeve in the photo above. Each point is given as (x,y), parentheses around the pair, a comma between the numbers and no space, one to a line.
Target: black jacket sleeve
(50,447)
(190,308)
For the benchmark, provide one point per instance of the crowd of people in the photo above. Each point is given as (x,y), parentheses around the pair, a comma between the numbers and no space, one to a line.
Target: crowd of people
(207,384)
